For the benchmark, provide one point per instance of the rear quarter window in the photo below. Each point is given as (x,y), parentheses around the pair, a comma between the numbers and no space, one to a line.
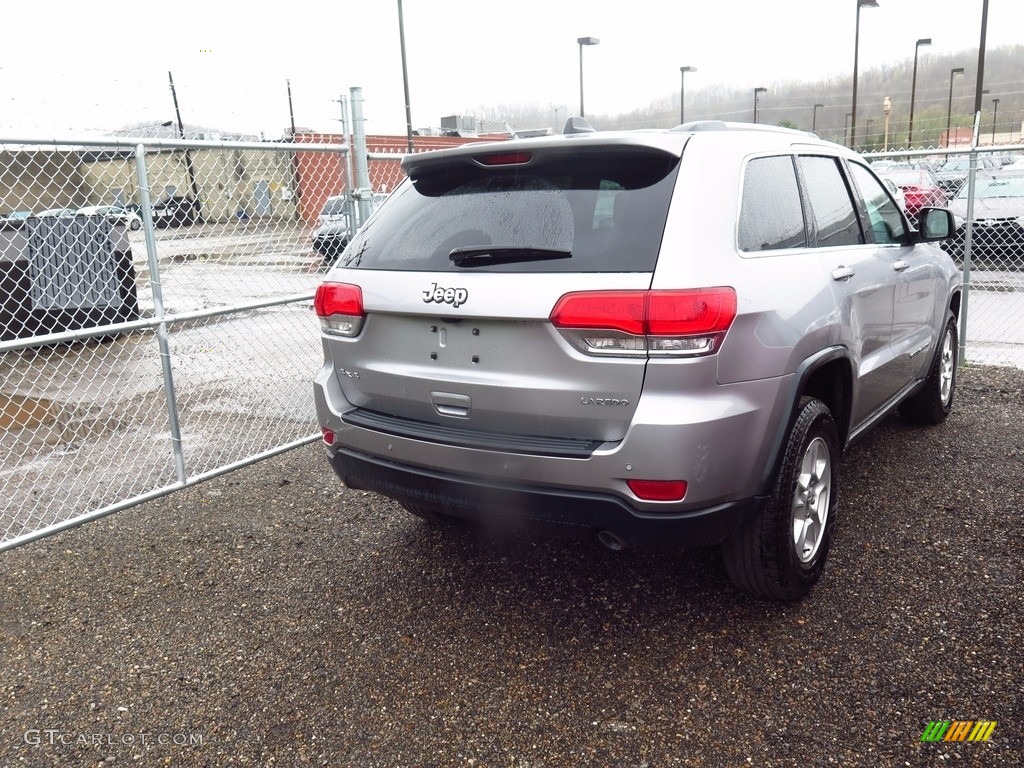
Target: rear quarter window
(771,215)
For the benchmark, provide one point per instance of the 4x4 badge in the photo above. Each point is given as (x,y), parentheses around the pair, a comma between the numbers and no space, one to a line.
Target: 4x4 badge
(453,296)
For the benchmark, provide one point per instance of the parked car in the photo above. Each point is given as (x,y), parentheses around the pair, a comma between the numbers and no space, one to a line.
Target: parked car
(684,372)
(997,236)
(16,216)
(335,209)
(57,213)
(897,193)
(920,189)
(334,232)
(330,240)
(176,211)
(953,173)
(116,214)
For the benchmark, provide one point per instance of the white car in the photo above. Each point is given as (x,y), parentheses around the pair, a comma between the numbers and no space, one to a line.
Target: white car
(896,192)
(116,214)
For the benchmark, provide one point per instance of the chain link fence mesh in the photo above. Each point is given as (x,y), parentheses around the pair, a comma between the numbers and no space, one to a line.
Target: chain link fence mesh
(100,402)
(155,308)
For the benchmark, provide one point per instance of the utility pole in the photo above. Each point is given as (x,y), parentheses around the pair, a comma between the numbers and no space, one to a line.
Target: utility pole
(189,169)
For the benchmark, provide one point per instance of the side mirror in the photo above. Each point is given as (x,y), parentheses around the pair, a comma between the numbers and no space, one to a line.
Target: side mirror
(935,224)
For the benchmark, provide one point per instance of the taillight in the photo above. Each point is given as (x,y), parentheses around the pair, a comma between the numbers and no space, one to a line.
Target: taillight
(638,323)
(340,308)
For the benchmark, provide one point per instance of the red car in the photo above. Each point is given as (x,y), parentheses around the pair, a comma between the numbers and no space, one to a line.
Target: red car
(920,189)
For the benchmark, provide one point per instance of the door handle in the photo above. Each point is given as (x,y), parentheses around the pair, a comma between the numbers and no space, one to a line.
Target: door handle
(841,274)
(901,265)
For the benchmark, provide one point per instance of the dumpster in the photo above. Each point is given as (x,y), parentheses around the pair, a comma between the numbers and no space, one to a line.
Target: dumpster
(62,274)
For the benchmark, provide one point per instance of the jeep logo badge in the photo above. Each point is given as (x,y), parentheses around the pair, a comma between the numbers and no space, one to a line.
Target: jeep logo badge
(454,296)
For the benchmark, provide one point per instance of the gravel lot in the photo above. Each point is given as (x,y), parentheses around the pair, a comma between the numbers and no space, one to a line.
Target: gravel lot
(271,617)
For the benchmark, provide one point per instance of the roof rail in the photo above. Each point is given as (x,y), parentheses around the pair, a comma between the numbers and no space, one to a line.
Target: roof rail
(702,125)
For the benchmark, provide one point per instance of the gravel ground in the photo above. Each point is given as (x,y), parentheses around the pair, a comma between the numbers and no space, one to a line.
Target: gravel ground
(271,617)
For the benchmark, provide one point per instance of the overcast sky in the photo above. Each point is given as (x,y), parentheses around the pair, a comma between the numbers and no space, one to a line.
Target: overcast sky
(71,67)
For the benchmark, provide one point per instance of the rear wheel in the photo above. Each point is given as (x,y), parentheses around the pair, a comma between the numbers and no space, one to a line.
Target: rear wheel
(780,554)
(933,402)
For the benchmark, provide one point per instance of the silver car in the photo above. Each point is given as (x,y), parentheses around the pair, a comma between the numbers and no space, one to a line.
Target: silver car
(661,338)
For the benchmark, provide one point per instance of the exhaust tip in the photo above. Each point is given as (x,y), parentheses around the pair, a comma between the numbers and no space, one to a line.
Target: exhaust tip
(613,541)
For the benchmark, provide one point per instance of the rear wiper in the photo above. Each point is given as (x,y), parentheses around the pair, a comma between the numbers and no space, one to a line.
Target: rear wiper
(473,255)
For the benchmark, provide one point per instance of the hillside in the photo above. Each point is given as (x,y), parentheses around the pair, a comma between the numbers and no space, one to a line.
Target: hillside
(792,102)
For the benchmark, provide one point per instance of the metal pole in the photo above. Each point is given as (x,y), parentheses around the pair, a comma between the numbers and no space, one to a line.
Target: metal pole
(291,110)
(682,95)
(682,92)
(189,170)
(405,77)
(949,109)
(970,188)
(581,79)
(162,335)
(968,239)
(995,111)
(913,90)
(856,52)
(349,174)
(359,149)
(981,57)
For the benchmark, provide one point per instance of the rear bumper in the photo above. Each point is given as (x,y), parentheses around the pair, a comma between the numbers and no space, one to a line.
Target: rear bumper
(570,512)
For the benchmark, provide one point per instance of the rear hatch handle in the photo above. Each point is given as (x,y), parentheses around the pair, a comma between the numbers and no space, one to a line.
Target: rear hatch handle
(451,404)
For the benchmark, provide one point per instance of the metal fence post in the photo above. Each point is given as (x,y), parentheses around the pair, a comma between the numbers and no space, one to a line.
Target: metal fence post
(972,175)
(158,312)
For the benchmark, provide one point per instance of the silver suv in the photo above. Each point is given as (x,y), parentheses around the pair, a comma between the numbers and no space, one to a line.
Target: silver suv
(660,338)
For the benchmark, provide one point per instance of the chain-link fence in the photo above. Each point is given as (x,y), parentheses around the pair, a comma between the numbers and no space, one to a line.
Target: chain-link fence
(155,303)
(156,322)
(977,171)
(155,325)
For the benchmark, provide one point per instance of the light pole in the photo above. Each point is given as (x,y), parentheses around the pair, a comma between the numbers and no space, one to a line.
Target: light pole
(557,108)
(814,119)
(995,111)
(682,91)
(846,128)
(757,92)
(913,90)
(856,50)
(949,109)
(886,109)
(584,41)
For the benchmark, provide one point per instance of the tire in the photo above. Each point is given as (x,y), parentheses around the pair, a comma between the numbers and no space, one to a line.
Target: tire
(429,515)
(780,554)
(932,403)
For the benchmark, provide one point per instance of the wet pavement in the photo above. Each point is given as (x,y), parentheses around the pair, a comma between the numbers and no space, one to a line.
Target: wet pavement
(272,617)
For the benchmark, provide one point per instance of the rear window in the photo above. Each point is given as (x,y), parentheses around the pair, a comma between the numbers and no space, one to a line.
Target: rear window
(604,207)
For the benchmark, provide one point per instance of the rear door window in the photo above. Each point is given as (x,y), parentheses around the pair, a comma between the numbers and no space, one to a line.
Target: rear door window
(599,209)
(835,220)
